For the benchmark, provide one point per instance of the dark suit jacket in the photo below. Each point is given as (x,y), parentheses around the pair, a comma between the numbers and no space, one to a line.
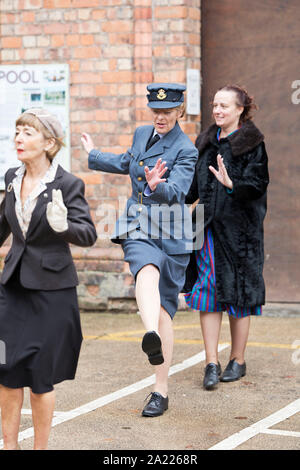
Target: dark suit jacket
(44,255)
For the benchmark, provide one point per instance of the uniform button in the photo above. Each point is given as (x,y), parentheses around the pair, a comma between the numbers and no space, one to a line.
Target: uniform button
(140,209)
(140,178)
(141,163)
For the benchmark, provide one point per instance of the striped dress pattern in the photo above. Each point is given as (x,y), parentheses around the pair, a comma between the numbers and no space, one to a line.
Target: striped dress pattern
(203,296)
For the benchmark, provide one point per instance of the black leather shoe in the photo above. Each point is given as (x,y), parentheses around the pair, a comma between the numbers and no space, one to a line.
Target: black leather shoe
(211,376)
(233,371)
(151,345)
(156,406)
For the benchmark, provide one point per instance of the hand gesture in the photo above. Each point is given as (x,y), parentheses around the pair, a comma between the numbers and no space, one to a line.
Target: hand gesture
(87,142)
(154,176)
(221,174)
(57,212)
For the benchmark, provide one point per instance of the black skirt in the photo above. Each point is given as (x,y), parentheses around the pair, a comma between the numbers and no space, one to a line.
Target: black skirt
(40,334)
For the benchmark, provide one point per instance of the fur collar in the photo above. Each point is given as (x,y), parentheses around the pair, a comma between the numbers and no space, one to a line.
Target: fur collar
(246,139)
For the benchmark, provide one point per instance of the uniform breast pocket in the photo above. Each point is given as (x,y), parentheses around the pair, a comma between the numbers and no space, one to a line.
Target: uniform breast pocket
(134,154)
(169,165)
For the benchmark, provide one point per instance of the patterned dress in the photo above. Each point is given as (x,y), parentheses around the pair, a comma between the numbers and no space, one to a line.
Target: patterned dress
(203,295)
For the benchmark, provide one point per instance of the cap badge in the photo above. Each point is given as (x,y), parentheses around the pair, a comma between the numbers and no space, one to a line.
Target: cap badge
(161,95)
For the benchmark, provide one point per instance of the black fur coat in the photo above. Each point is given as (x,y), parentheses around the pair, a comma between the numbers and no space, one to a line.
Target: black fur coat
(236,218)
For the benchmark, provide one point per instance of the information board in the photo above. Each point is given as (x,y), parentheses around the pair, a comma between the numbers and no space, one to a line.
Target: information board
(27,86)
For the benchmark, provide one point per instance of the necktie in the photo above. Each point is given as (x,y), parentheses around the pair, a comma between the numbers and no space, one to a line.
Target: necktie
(152,141)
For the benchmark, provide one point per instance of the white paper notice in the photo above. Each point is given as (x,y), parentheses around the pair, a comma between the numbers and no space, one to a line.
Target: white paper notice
(193,92)
(31,86)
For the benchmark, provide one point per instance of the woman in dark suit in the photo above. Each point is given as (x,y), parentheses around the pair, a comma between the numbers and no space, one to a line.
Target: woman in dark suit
(44,209)
(226,274)
(153,230)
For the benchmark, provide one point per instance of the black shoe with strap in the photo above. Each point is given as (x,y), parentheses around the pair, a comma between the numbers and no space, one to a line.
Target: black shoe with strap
(156,406)
(211,375)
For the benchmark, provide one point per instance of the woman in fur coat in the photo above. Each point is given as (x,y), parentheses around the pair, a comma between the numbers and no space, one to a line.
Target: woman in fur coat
(230,180)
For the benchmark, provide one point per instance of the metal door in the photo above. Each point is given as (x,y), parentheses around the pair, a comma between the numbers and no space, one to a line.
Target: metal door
(257,44)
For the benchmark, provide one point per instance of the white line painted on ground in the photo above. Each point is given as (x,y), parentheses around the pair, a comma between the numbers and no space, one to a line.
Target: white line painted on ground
(26,411)
(281,432)
(61,417)
(260,427)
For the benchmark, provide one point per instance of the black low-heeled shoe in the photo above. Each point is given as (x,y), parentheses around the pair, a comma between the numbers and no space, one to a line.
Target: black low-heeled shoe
(233,371)
(211,375)
(151,345)
(156,406)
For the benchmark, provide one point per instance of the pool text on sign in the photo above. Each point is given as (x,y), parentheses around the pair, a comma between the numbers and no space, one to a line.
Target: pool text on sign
(24,76)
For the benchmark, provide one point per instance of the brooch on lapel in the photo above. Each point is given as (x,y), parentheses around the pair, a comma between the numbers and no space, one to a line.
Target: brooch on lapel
(9,187)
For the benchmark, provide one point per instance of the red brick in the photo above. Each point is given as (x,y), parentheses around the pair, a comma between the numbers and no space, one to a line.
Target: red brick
(178,51)
(117,26)
(57,3)
(106,115)
(87,39)
(91,178)
(170,12)
(28,4)
(142,13)
(72,39)
(57,40)
(121,38)
(102,90)
(11,42)
(86,52)
(8,18)
(56,28)
(93,290)
(86,77)
(28,16)
(118,77)
(28,29)
(85,3)
(98,14)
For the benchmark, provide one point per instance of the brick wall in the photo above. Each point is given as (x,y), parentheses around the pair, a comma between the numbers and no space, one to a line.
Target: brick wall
(114,48)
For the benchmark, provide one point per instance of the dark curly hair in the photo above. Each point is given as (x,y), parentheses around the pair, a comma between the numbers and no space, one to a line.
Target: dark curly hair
(243,99)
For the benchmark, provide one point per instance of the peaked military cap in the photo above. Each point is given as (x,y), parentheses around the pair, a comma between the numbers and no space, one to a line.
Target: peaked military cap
(165,95)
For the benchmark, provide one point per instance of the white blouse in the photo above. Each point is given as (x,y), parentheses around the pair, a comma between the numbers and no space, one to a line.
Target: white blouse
(24,212)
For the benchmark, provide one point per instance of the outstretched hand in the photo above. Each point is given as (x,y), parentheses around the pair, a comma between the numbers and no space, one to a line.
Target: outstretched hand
(154,176)
(87,142)
(221,174)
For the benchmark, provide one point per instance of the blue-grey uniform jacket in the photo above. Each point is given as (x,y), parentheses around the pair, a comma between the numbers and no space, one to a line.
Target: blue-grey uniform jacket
(162,215)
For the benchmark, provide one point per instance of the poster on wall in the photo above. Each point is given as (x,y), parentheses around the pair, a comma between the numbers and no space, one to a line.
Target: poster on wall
(32,86)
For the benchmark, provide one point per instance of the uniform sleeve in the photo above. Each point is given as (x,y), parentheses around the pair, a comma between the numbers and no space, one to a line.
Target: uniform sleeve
(81,229)
(179,181)
(110,162)
(255,177)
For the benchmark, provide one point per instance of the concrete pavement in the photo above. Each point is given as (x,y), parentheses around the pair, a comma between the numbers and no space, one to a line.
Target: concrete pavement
(101,408)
